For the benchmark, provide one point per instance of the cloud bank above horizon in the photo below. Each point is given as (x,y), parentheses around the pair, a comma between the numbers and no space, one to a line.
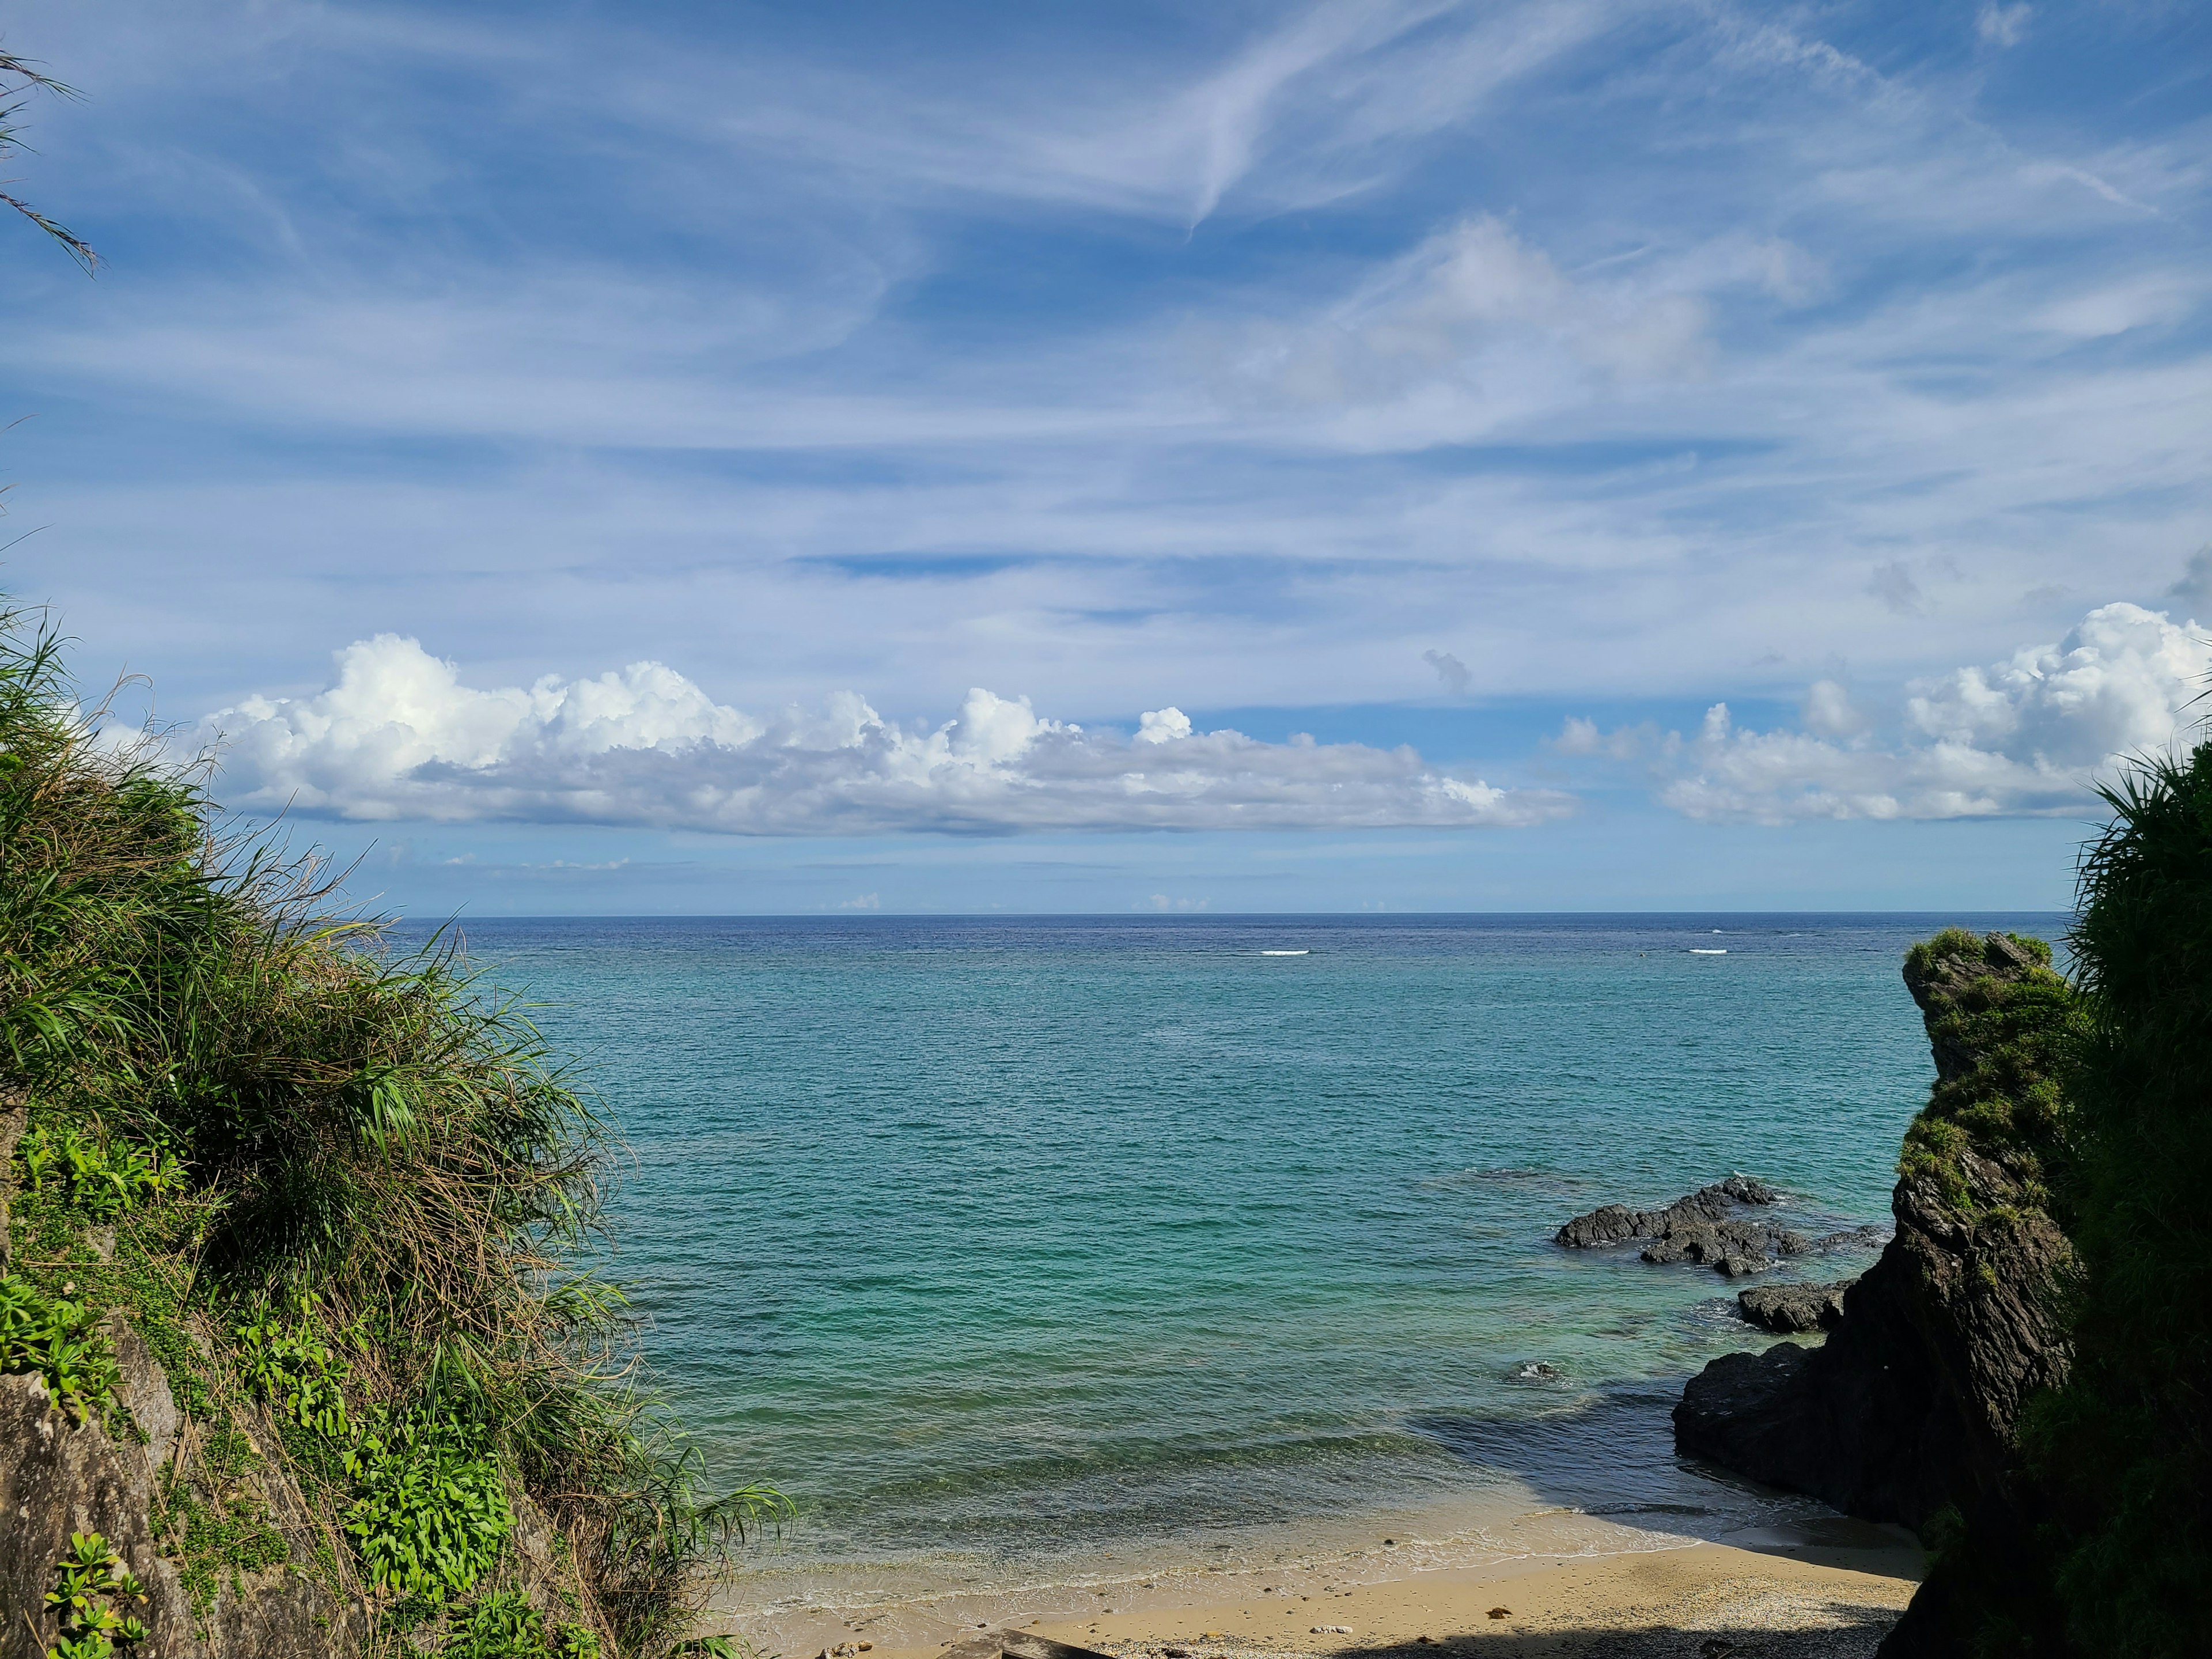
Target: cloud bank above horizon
(398,735)
(2029,737)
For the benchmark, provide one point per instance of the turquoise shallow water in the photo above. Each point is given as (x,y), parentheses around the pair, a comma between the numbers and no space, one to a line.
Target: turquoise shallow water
(999,1244)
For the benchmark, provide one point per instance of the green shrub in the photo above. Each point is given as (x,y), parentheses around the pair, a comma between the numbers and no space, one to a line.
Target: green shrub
(432,1514)
(2123,1452)
(504,1625)
(101,1178)
(296,1372)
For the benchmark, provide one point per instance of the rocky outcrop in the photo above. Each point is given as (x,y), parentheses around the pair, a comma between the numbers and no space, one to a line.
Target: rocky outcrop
(1616,1224)
(1794,1308)
(1708,1227)
(1909,1404)
(58,1477)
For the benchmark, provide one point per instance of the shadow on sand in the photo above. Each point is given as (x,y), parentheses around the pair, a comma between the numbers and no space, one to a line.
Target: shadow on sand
(1612,1455)
(1856,1637)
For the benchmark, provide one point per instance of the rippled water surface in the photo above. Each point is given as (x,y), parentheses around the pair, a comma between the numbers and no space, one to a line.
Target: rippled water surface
(1002,1243)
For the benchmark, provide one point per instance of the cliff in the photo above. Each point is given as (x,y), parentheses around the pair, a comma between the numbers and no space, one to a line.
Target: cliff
(298,1350)
(1911,1405)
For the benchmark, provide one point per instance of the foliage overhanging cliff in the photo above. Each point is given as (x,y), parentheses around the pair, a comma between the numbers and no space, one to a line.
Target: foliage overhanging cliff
(2102,1543)
(2035,1400)
(337,1199)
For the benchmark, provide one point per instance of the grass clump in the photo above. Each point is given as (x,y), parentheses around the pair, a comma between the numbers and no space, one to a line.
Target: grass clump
(344,1185)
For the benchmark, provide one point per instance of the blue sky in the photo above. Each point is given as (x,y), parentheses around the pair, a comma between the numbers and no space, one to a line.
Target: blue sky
(1423,456)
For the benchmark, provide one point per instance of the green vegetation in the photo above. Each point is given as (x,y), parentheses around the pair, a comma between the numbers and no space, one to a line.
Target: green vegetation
(2123,1455)
(19,78)
(346,1189)
(90,1584)
(432,1514)
(2023,1031)
(504,1625)
(2102,1543)
(61,1341)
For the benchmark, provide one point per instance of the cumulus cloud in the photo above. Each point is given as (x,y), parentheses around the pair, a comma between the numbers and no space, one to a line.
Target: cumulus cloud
(399,736)
(2025,737)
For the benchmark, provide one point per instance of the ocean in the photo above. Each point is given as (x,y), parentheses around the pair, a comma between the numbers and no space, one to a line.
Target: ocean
(1027,1254)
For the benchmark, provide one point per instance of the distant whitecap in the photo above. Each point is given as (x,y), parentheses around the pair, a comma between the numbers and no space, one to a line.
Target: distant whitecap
(1286,953)
(1701,950)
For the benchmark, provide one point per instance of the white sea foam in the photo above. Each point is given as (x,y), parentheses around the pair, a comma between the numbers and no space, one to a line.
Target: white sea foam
(1701,950)
(1286,953)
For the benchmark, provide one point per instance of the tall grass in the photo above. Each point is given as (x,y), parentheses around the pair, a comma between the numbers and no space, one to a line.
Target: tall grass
(373,1136)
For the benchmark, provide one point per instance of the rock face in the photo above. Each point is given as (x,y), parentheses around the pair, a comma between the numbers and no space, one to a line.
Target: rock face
(1909,1404)
(1794,1308)
(58,1477)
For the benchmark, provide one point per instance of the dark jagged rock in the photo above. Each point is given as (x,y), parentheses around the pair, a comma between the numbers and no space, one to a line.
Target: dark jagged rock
(1794,1308)
(1909,1404)
(1703,1227)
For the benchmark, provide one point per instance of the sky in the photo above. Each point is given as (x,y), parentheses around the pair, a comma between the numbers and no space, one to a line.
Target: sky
(1594,454)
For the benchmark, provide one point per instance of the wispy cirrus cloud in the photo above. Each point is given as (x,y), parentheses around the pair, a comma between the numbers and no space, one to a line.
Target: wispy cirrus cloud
(398,736)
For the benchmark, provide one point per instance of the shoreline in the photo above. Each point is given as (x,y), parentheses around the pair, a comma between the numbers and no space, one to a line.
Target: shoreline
(1598,1583)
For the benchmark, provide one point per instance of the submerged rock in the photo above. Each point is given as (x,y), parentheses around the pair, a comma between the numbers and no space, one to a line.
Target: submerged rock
(1794,1308)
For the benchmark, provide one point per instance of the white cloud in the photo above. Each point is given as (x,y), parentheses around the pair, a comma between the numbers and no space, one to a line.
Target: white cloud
(2002,25)
(1828,712)
(2025,737)
(1474,306)
(399,736)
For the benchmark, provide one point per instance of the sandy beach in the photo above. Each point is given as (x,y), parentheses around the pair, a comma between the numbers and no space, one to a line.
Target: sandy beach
(1832,1592)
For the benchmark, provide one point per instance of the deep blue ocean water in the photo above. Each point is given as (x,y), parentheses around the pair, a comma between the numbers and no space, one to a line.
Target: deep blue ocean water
(1001,1244)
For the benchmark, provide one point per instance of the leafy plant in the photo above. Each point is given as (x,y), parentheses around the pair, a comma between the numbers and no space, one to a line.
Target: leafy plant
(101,1179)
(504,1625)
(61,1342)
(432,1514)
(89,1582)
(296,1372)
